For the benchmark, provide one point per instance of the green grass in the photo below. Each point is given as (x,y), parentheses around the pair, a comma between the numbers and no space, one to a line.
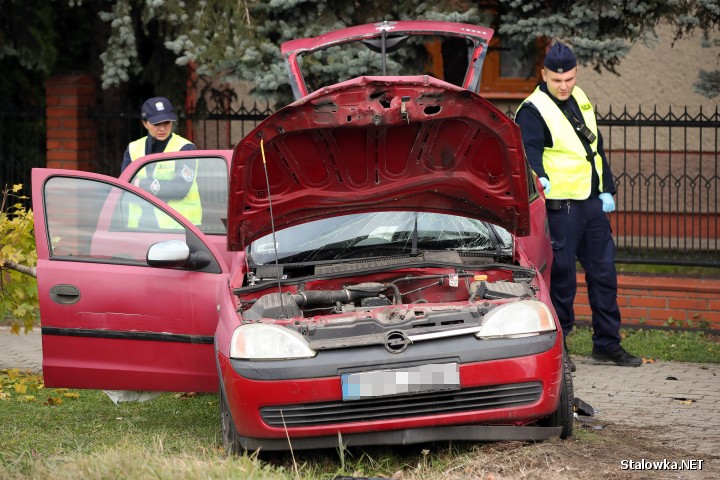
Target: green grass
(655,344)
(663,269)
(683,270)
(68,434)
(61,433)
(61,422)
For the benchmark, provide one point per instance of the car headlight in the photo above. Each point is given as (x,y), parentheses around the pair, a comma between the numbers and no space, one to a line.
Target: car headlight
(518,319)
(262,341)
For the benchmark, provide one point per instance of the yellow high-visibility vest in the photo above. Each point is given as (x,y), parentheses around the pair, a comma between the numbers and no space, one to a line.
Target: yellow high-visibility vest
(566,162)
(189,206)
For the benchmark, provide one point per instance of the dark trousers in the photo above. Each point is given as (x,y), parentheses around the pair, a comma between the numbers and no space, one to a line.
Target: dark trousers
(580,229)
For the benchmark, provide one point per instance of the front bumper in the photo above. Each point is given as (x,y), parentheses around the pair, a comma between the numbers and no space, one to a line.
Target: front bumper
(497,395)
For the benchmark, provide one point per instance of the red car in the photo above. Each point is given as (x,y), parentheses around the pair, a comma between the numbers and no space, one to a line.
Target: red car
(371,265)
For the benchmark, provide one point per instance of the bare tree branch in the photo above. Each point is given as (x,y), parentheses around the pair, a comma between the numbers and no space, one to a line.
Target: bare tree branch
(19,268)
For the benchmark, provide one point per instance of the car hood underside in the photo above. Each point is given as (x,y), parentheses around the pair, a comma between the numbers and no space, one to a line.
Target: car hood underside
(379,143)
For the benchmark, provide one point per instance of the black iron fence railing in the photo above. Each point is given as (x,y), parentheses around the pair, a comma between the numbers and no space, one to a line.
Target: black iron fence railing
(22,147)
(114,131)
(665,167)
(221,128)
(211,129)
(666,172)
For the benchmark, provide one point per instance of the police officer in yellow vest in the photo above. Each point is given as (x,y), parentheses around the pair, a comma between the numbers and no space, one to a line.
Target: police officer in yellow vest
(174,182)
(565,149)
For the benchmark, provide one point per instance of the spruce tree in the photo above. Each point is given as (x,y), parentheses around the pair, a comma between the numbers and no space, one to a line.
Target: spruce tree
(239,39)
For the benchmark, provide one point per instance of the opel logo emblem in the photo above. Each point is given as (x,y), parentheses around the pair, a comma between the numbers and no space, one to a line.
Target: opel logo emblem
(396,342)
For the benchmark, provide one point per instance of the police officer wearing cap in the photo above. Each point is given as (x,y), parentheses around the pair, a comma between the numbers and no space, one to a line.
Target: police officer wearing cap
(157,116)
(565,149)
(174,182)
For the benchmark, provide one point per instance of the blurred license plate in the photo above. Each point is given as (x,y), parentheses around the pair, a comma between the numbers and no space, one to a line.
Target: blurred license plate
(402,381)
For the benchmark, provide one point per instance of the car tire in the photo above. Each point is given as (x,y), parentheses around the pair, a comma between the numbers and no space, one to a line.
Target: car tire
(564,416)
(230,436)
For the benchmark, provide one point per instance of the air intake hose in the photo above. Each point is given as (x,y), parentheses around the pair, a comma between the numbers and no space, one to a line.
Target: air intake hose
(331,297)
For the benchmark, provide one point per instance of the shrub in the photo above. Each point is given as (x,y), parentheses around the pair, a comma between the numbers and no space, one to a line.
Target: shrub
(18,257)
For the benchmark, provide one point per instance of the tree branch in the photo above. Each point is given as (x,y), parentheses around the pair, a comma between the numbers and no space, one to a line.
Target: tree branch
(19,268)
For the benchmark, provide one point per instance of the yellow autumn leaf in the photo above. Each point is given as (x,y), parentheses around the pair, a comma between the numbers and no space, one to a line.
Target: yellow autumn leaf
(71,395)
(53,401)
(4,396)
(17,187)
(33,377)
(20,388)
(26,398)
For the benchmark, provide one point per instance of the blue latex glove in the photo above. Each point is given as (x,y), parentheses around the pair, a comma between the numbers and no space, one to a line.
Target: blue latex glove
(545,184)
(608,202)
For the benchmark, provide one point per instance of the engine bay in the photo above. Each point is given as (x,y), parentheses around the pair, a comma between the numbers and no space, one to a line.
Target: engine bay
(333,294)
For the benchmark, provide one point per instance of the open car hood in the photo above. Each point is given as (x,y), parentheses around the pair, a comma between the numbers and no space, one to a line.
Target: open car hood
(379,144)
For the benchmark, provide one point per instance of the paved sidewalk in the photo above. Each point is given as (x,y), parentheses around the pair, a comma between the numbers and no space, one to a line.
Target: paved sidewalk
(20,351)
(678,403)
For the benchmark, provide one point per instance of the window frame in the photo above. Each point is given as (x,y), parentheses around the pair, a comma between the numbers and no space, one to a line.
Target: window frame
(493,86)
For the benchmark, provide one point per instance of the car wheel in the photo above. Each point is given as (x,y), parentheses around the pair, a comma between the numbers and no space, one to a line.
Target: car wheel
(230,436)
(564,415)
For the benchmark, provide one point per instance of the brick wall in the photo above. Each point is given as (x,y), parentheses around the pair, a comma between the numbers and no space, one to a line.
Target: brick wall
(653,300)
(71,134)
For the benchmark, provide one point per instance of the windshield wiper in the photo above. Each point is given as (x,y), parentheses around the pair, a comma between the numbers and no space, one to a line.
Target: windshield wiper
(414,250)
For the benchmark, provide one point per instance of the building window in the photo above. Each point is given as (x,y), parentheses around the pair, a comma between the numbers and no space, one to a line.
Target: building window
(511,70)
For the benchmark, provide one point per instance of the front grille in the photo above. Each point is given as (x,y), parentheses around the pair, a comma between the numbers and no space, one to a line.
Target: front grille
(386,408)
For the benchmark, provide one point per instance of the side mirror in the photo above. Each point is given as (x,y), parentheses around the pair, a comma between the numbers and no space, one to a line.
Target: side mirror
(198,260)
(176,253)
(168,253)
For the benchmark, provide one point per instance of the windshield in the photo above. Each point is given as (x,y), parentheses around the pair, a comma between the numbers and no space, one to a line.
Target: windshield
(378,234)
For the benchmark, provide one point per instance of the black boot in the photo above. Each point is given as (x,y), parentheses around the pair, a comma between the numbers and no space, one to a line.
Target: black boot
(567,355)
(618,357)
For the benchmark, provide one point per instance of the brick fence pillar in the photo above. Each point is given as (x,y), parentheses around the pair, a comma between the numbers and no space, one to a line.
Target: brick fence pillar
(71,134)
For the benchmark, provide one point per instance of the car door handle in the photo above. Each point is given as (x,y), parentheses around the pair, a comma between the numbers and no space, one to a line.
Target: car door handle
(65,294)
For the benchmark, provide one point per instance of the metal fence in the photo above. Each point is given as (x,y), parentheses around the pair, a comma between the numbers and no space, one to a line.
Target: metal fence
(22,147)
(665,167)
(223,128)
(209,128)
(666,172)
(115,130)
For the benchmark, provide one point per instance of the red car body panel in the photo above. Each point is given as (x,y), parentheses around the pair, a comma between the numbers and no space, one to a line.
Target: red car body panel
(114,328)
(536,248)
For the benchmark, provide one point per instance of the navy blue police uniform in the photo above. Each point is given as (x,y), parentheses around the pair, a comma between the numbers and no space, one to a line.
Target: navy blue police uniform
(579,228)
